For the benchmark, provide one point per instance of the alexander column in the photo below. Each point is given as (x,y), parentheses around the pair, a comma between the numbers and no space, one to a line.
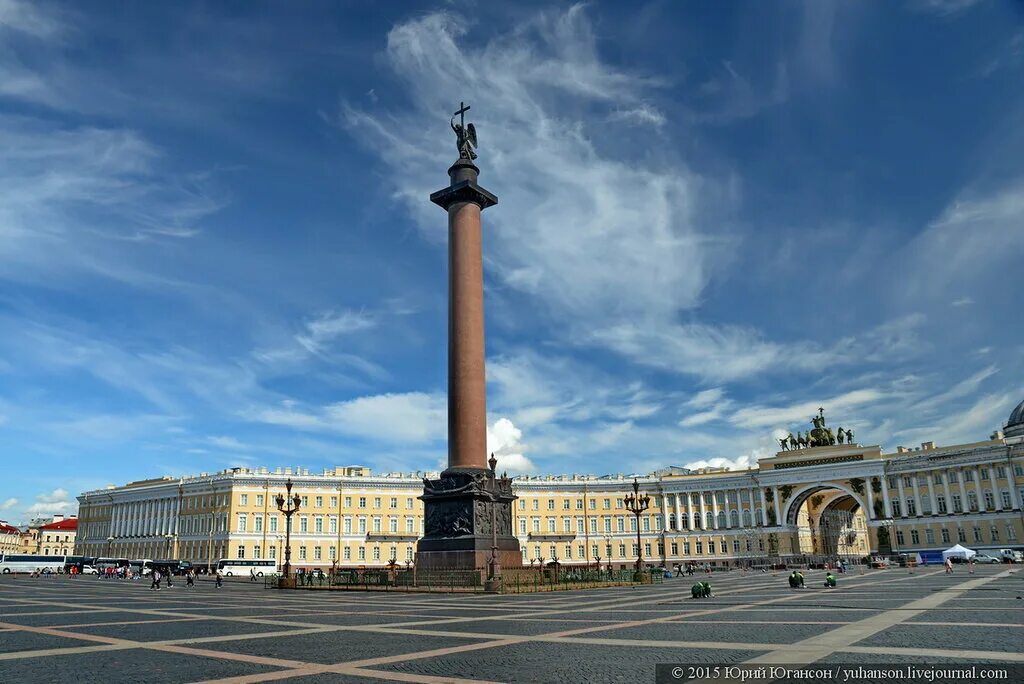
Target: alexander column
(468,510)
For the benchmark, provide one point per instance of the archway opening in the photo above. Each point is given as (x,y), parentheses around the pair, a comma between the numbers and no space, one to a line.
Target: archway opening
(830,523)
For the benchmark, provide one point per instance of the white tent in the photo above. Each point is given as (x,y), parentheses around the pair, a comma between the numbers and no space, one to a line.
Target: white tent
(958,552)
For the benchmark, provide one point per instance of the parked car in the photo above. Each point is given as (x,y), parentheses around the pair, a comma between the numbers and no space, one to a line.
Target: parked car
(89,570)
(984,558)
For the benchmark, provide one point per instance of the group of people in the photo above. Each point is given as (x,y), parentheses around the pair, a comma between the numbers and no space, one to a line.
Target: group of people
(796,580)
(157,576)
(691,569)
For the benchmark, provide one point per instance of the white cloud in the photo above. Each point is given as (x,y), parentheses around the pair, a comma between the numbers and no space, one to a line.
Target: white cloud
(57,501)
(331,325)
(226,442)
(802,412)
(7,504)
(29,18)
(504,440)
(943,8)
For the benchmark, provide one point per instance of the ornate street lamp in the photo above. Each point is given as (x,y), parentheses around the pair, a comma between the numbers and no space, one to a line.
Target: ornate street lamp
(636,505)
(289,505)
(110,540)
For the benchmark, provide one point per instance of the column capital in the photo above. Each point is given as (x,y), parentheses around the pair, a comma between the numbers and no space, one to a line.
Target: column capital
(463,191)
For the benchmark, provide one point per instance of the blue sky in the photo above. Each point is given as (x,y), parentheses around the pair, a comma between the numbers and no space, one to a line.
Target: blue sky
(216,247)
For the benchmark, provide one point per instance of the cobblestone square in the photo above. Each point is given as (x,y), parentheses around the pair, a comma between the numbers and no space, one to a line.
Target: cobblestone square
(88,628)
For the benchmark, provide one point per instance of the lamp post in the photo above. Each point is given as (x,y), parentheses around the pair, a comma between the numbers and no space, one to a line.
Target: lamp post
(289,505)
(169,538)
(493,565)
(110,540)
(636,505)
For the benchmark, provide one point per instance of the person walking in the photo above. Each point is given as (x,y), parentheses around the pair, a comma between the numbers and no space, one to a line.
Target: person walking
(190,579)
(155,580)
(970,565)
(949,565)
(252,574)
(170,574)
(220,580)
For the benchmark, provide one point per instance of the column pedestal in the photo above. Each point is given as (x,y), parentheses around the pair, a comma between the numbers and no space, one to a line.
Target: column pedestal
(461,509)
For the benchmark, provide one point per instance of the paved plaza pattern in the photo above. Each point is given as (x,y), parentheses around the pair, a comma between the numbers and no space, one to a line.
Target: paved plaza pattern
(62,629)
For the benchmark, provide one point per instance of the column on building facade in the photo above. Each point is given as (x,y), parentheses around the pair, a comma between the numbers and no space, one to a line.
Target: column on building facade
(714,509)
(996,499)
(700,509)
(778,505)
(113,520)
(929,478)
(961,476)
(764,506)
(675,507)
(946,490)
(1012,484)
(885,496)
(917,494)
(978,490)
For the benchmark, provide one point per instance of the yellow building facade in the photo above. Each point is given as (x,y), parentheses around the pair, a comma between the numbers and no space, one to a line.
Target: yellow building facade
(826,501)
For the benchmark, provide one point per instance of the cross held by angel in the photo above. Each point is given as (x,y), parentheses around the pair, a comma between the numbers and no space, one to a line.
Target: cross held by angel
(465,134)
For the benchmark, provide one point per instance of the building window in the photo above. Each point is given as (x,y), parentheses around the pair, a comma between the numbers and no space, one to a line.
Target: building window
(551,504)
(536,505)
(958,506)
(318,525)
(647,550)
(972,501)
(393,525)
(334,525)
(257,552)
(675,548)
(303,524)
(945,536)
(243,499)
(735,545)
(1011,533)
(899,537)
(408,553)
(892,481)
(362,553)
(522,527)
(911,508)
(305,502)
(536,524)
(607,504)
(568,550)
(302,553)
(969,476)
(961,535)
(700,547)
(984,474)
(977,533)
(347,525)
(334,502)
(906,481)
(622,550)
(346,553)
(362,502)
(241,522)
(929,536)
(319,501)
(408,503)
(331,553)
(1005,496)
(711,547)
(579,504)
(940,501)
(686,548)
(990,501)
(376,524)
(241,551)
(362,526)
(317,553)
(566,505)
(937,478)
(272,553)
(410,525)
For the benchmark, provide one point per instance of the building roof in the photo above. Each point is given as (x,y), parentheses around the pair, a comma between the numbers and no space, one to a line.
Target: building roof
(8,529)
(67,524)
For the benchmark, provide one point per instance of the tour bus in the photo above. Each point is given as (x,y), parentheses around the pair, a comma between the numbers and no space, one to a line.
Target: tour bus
(79,562)
(10,563)
(242,567)
(170,566)
(104,563)
(141,566)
